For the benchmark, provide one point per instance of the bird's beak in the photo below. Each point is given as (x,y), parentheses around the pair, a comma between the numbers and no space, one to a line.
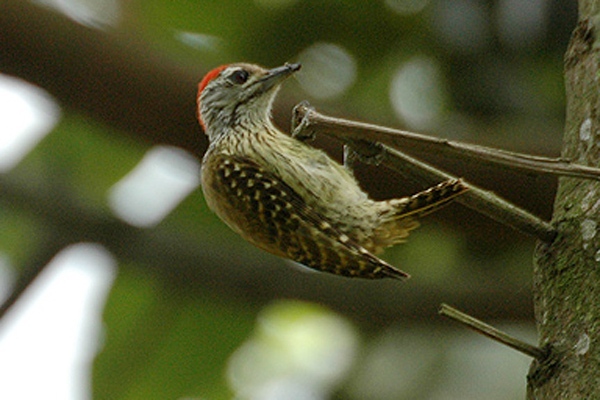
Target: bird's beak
(276,75)
(284,71)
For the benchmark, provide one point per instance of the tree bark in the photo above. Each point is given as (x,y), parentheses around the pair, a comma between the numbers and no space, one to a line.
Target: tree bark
(567,271)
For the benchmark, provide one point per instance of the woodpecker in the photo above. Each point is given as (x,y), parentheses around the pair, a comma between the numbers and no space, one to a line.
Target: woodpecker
(287,197)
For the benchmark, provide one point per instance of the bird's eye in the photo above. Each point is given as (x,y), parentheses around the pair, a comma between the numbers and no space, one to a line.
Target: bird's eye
(239,77)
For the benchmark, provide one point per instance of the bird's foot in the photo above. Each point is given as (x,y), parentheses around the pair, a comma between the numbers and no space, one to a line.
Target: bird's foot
(301,126)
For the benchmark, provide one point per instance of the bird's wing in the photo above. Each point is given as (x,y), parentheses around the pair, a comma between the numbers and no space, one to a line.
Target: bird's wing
(273,216)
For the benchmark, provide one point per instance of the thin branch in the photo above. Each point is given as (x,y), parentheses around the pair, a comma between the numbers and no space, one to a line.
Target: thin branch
(480,200)
(351,130)
(493,333)
(483,201)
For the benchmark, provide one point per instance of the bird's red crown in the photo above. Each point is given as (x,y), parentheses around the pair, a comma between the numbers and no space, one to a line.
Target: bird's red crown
(202,85)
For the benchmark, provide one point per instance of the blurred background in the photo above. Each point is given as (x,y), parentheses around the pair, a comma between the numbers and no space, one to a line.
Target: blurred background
(142,293)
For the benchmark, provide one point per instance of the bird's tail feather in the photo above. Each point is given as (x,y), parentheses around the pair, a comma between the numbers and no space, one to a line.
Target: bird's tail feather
(401,215)
(427,201)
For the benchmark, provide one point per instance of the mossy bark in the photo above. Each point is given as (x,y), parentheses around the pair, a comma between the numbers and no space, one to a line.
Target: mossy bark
(567,271)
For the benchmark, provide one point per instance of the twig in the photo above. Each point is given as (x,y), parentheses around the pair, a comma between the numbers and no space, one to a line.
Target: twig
(483,201)
(493,333)
(351,130)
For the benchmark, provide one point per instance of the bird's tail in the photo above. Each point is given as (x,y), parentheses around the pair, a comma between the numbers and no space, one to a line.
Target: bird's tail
(400,216)
(427,201)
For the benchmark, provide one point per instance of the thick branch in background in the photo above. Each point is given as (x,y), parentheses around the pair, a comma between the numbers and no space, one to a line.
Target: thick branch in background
(111,78)
(567,273)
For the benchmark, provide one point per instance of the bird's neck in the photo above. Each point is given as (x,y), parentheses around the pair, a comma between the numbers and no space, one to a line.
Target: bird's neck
(243,133)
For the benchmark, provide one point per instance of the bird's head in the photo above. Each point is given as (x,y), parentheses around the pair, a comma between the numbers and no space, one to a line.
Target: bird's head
(238,94)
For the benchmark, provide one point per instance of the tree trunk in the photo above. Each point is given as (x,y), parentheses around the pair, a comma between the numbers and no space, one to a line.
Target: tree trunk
(567,271)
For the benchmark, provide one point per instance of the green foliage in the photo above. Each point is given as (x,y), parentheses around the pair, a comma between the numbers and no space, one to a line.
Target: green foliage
(162,344)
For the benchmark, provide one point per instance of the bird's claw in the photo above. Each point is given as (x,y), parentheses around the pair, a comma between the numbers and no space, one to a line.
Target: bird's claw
(371,153)
(301,127)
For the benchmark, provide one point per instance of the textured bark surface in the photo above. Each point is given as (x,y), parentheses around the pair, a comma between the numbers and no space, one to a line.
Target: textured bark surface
(567,271)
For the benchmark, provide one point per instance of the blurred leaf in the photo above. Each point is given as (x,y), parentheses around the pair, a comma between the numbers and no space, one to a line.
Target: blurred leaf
(164,345)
